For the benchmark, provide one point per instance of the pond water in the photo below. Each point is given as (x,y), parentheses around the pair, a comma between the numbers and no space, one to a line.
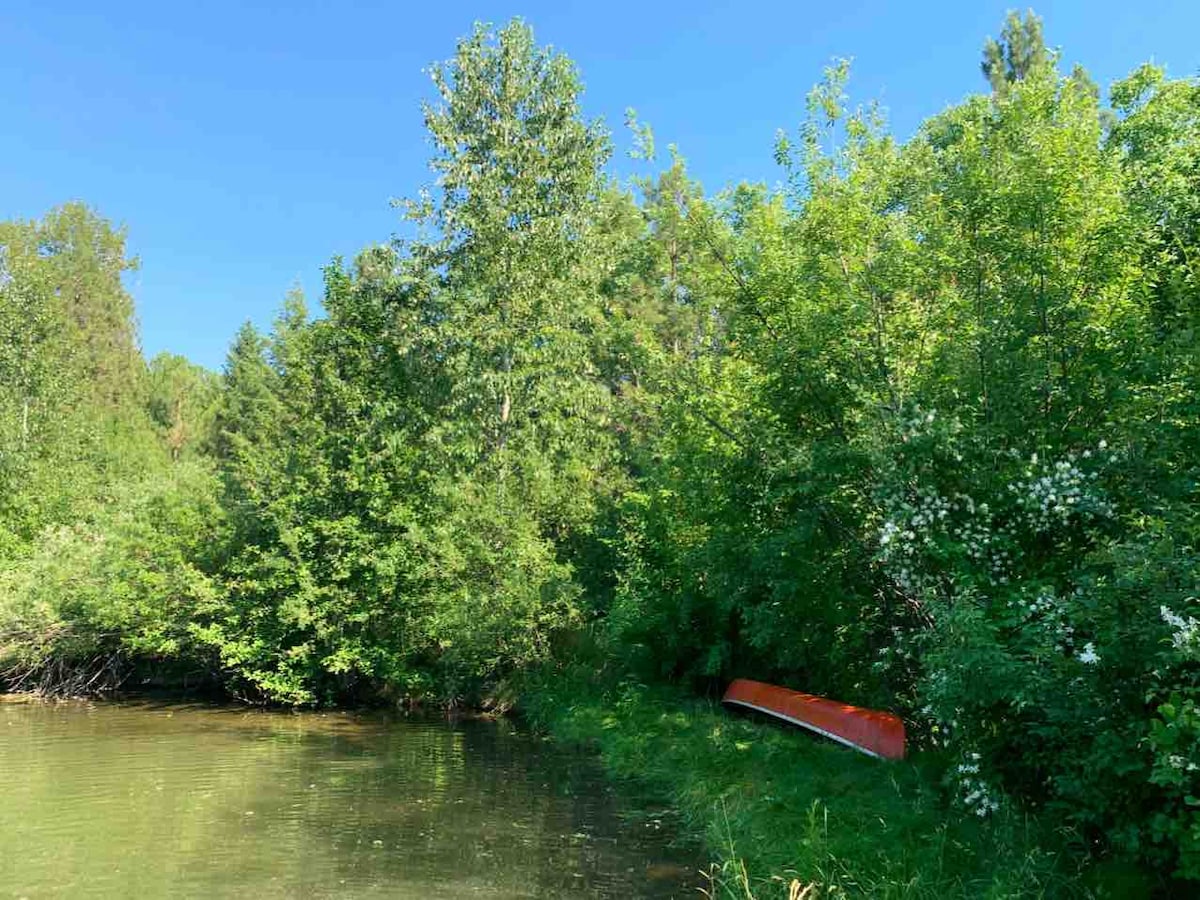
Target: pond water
(149,799)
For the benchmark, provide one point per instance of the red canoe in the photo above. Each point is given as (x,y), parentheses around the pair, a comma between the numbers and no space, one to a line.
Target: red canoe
(875,733)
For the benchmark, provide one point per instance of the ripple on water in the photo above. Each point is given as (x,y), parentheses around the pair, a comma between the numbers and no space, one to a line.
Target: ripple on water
(187,800)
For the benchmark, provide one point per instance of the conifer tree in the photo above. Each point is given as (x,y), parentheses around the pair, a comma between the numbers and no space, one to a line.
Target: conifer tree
(1020,49)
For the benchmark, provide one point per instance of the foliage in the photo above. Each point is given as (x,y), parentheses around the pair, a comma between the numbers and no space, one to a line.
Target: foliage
(413,477)
(121,586)
(917,430)
(779,807)
(71,375)
(937,459)
(183,400)
(1020,50)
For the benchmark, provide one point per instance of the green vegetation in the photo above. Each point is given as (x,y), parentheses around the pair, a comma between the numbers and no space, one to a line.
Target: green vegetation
(919,430)
(777,801)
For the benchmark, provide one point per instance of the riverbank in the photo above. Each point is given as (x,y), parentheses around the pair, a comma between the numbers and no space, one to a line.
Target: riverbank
(775,806)
(781,813)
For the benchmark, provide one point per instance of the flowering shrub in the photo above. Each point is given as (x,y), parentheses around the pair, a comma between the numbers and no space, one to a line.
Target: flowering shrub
(973,791)
(943,457)
(1186,636)
(1048,671)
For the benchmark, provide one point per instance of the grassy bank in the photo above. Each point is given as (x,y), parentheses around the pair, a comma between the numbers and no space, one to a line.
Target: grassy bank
(781,813)
(774,806)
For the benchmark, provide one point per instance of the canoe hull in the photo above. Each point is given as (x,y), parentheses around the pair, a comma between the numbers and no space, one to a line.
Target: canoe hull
(875,733)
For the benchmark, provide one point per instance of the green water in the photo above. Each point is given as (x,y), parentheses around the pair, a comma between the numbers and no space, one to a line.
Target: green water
(167,800)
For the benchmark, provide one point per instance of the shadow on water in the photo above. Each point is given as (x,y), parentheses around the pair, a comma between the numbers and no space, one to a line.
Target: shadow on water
(153,798)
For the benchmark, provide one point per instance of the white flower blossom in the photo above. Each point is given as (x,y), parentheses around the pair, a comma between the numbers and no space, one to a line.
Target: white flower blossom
(973,788)
(1187,631)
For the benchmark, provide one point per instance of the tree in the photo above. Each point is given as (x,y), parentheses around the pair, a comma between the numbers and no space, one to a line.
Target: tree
(183,400)
(72,378)
(1020,50)
(526,443)
(248,399)
(518,184)
(414,478)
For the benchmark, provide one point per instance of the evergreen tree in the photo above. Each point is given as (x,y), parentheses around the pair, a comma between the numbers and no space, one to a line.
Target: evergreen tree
(72,379)
(183,400)
(1020,50)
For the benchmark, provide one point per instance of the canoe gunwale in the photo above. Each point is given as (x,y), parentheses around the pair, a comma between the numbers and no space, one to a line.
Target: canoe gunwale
(873,732)
(808,725)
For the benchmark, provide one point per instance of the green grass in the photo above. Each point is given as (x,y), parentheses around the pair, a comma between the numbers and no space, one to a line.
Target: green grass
(782,811)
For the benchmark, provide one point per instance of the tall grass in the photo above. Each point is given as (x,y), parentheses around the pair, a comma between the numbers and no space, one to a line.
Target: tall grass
(785,814)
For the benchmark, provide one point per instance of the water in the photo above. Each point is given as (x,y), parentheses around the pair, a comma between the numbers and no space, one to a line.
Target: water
(155,800)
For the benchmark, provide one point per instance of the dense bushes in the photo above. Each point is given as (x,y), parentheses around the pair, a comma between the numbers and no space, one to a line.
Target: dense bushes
(936,460)
(124,586)
(920,430)
(779,808)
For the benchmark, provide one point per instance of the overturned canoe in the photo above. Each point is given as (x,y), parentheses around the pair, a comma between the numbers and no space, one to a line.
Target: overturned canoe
(870,731)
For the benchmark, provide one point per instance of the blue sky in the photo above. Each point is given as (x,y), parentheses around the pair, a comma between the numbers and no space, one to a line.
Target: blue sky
(243,144)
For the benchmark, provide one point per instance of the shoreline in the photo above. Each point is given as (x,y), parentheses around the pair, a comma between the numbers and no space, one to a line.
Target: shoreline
(782,812)
(777,811)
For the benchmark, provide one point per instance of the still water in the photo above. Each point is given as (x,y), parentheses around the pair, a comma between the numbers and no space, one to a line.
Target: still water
(167,800)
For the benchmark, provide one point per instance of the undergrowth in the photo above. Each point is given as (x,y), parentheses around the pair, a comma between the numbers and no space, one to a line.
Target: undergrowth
(785,814)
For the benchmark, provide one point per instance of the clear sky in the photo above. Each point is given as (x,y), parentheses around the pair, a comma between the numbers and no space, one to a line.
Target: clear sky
(245,143)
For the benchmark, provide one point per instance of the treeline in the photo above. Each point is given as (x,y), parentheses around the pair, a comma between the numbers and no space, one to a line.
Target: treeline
(918,430)
(102,540)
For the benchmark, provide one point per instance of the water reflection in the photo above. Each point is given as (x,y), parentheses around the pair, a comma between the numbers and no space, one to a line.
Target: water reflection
(145,799)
